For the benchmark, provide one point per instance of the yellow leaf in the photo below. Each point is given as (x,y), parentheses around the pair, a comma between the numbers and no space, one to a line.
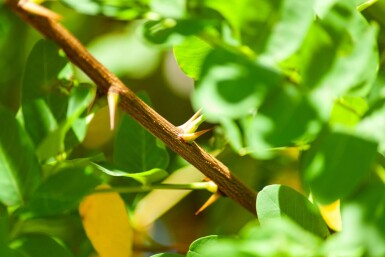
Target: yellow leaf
(107,224)
(332,216)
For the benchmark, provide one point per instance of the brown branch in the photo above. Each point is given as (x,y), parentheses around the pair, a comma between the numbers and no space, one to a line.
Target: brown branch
(229,184)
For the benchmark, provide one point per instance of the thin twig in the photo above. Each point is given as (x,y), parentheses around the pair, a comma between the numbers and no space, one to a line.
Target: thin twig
(227,182)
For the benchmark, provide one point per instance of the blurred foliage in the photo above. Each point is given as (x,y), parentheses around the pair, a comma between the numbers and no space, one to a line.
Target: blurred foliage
(295,90)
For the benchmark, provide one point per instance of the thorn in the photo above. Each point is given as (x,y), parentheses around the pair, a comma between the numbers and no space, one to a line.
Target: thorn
(190,137)
(113,100)
(193,123)
(213,198)
(37,9)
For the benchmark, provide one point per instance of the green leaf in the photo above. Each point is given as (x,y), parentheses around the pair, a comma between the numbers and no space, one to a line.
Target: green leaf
(335,49)
(276,201)
(364,4)
(294,18)
(136,150)
(40,84)
(124,9)
(233,134)
(63,191)
(33,245)
(4,224)
(231,86)
(348,110)
(335,164)
(196,247)
(372,125)
(13,42)
(79,99)
(280,237)
(19,168)
(284,118)
(171,9)
(145,177)
(190,55)
(265,26)
(242,15)
(5,250)
(172,32)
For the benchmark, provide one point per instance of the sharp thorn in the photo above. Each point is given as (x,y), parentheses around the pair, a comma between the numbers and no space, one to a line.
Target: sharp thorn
(113,100)
(190,137)
(185,127)
(213,198)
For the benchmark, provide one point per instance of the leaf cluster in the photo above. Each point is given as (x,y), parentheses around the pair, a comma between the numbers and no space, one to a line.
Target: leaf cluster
(280,74)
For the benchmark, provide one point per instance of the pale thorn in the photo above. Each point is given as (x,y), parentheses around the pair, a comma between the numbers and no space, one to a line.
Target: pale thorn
(37,9)
(213,198)
(113,101)
(186,127)
(190,137)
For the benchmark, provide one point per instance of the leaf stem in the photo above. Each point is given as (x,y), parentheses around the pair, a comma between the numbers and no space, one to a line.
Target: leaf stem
(366,5)
(215,42)
(146,188)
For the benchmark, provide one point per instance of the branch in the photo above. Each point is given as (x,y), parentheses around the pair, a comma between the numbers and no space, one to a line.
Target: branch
(228,183)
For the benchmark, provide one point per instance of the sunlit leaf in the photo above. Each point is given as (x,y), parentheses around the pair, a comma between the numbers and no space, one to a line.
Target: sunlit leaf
(176,9)
(347,111)
(125,9)
(241,14)
(334,46)
(196,247)
(335,164)
(372,123)
(231,86)
(190,55)
(294,19)
(278,238)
